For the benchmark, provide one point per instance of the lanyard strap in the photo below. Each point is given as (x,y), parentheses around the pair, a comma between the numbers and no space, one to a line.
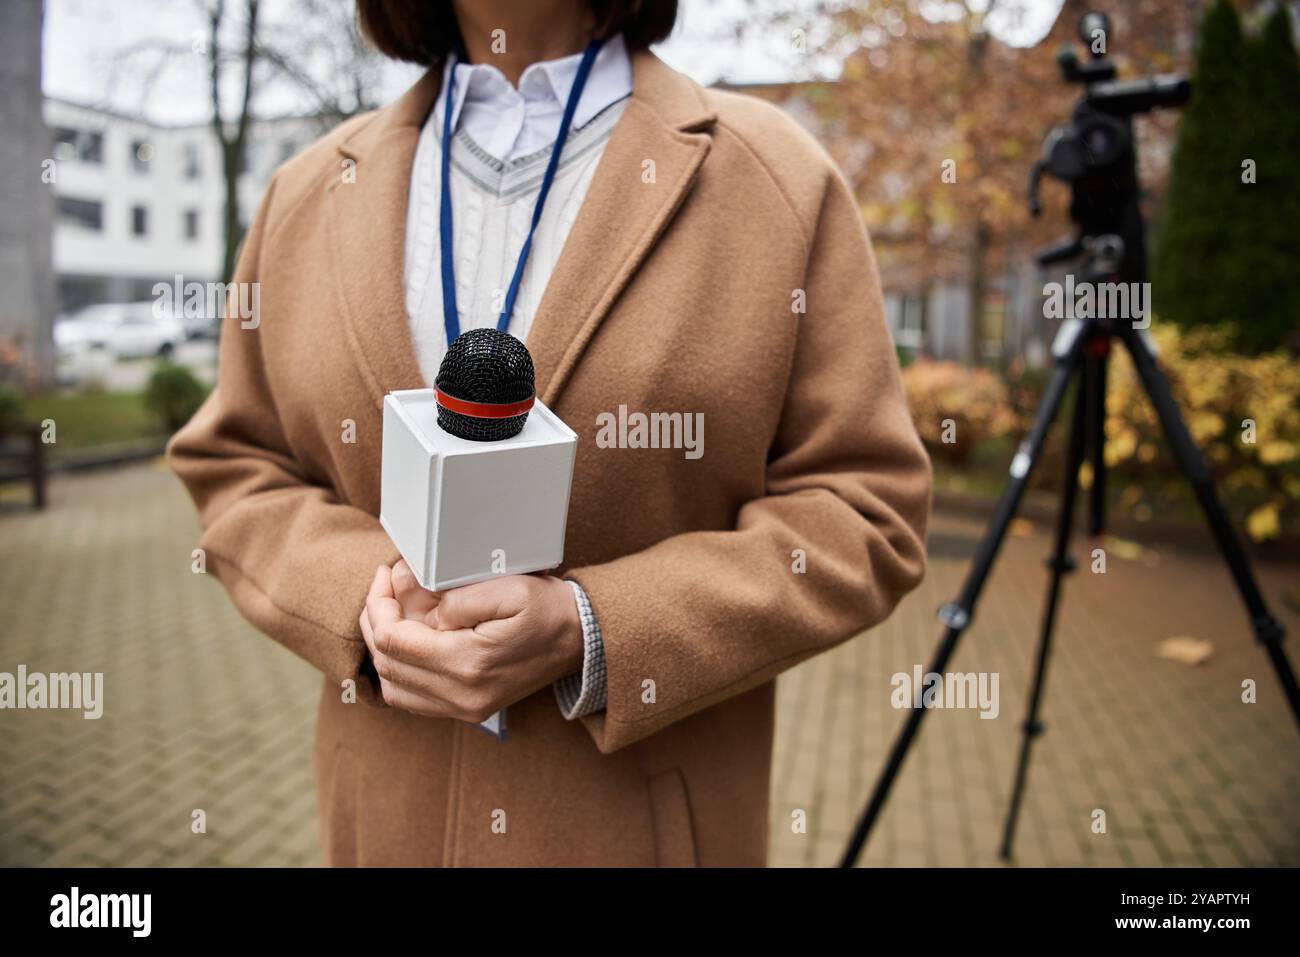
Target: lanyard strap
(450,315)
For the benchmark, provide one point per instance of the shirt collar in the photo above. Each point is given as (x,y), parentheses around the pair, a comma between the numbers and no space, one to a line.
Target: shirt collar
(542,85)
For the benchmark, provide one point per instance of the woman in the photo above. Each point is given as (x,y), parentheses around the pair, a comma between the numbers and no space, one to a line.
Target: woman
(697,254)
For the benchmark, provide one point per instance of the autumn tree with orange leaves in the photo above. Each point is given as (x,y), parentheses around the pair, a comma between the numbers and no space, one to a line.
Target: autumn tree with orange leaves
(936,124)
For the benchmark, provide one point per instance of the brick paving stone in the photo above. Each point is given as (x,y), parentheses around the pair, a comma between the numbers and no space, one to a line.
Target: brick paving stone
(1221,854)
(1178,763)
(197,703)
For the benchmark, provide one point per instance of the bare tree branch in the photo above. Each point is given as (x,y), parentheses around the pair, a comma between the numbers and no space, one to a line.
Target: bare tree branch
(315,53)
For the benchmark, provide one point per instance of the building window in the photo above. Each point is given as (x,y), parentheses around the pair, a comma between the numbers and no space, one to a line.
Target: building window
(73,144)
(93,148)
(65,143)
(191,224)
(74,292)
(139,221)
(141,155)
(141,290)
(909,332)
(82,213)
(993,324)
(190,166)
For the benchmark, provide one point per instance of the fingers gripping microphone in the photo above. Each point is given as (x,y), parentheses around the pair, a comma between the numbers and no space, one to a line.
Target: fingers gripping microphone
(485,386)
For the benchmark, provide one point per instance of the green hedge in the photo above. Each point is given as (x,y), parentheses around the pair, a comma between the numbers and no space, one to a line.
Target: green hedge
(1227,250)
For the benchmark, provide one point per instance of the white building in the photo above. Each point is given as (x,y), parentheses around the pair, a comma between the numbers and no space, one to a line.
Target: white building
(138,203)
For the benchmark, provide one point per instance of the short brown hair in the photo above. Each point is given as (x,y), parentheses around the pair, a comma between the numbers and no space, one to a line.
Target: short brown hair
(423,32)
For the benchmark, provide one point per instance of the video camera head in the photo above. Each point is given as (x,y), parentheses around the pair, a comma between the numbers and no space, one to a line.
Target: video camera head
(1094,153)
(1102,92)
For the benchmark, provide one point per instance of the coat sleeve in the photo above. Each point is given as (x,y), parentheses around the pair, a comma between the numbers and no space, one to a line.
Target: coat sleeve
(296,561)
(708,615)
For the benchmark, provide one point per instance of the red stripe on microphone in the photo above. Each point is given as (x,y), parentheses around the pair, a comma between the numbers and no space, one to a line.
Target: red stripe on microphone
(483,410)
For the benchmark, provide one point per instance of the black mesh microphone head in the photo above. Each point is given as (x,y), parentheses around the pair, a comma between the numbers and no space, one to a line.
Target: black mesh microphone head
(485,386)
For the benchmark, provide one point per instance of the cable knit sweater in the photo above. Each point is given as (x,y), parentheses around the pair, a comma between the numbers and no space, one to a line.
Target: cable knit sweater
(492,203)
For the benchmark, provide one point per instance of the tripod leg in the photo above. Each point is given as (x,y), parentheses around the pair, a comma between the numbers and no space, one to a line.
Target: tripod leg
(1268,630)
(1097,371)
(956,615)
(1060,563)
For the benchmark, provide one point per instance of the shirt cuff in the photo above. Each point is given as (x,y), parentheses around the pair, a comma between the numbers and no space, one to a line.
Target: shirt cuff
(584,692)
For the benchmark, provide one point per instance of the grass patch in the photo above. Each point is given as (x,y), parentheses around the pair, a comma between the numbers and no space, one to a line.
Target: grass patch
(91,419)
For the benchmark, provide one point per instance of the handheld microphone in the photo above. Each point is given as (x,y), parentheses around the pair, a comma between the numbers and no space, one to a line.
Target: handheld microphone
(485,386)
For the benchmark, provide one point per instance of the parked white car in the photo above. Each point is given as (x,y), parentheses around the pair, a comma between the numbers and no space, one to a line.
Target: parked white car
(200,327)
(125,330)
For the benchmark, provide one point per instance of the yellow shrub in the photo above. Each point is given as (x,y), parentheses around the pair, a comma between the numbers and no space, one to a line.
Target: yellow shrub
(1243,412)
(956,408)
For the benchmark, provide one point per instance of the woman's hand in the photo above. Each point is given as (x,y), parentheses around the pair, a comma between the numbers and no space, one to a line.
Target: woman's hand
(417,602)
(468,652)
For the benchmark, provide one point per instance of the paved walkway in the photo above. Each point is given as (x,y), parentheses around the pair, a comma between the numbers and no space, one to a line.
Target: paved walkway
(207,715)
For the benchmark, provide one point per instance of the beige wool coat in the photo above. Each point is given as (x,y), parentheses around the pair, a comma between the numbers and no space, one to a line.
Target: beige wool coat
(717,266)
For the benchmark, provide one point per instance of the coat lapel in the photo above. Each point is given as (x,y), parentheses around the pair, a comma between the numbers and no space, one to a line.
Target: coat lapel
(625,212)
(623,215)
(367,223)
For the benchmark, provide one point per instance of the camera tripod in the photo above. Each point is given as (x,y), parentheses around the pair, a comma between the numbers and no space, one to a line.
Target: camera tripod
(1080,353)
(1095,154)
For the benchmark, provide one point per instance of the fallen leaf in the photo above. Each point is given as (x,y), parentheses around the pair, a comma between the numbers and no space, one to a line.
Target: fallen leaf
(1123,548)
(1185,649)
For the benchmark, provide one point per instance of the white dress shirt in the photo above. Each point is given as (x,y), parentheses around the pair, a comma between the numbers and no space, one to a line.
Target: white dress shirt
(509,123)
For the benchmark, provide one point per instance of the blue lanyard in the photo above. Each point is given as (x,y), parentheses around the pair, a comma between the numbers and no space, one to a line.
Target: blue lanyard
(450,315)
